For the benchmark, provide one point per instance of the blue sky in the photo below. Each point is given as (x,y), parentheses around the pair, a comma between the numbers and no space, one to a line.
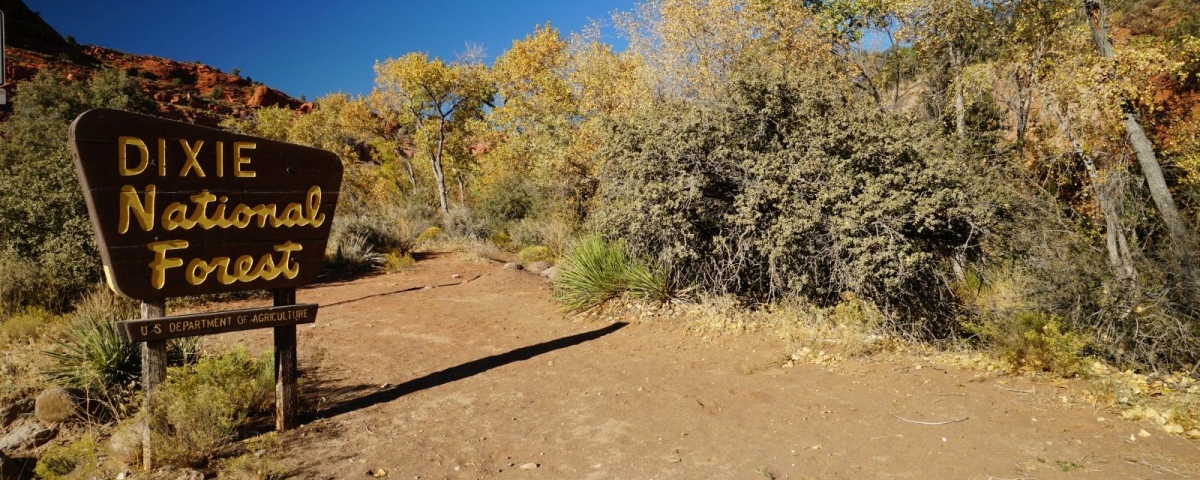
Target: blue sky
(310,47)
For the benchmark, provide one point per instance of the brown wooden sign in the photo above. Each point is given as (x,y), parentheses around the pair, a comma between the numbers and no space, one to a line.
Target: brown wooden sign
(181,209)
(148,329)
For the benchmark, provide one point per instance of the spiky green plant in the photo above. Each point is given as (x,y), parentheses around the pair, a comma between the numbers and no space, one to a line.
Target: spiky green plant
(594,272)
(93,358)
(648,283)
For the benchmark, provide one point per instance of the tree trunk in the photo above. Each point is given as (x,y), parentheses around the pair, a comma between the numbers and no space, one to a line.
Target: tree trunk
(408,168)
(438,175)
(960,109)
(1118,248)
(1180,235)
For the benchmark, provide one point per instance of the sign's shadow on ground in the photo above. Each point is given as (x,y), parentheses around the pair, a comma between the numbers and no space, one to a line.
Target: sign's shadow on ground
(348,399)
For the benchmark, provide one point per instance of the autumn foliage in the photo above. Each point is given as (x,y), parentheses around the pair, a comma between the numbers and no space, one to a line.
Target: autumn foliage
(960,165)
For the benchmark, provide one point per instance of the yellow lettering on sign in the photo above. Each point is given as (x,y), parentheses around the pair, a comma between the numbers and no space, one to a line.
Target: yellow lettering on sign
(295,214)
(314,204)
(158,268)
(142,210)
(123,144)
(238,159)
(191,163)
(162,157)
(245,269)
(220,158)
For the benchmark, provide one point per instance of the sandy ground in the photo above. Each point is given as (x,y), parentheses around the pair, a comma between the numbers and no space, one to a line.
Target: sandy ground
(481,377)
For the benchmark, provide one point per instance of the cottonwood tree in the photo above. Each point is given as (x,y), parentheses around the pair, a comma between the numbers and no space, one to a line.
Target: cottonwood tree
(1181,237)
(439,99)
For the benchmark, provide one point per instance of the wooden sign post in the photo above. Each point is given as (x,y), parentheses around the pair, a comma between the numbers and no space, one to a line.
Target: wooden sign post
(180,209)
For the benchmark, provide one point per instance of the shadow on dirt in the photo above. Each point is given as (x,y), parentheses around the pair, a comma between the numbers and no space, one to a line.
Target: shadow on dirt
(402,290)
(455,373)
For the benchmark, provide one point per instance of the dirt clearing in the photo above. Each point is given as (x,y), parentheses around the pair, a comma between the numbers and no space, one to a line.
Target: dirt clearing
(481,377)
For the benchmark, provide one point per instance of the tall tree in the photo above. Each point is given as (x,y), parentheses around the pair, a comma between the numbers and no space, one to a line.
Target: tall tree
(1181,237)
(438,98)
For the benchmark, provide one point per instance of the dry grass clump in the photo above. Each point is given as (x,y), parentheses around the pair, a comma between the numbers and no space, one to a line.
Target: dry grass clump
(819,335)
(21,365)
(29,325)
(555,233)
(255,463)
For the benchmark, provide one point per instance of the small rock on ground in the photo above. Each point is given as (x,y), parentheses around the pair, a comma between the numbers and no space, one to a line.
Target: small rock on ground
(181,474)
(513,266)
(125,443)
(537,267)
(11,412)
(529,466)
(551,273)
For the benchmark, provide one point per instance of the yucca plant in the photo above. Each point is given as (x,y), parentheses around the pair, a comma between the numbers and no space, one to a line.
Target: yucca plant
(91,357)
(354,254)
(593,273)
(649,283)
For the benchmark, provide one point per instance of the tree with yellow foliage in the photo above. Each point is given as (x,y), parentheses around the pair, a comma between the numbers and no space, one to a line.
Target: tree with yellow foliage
(438,98)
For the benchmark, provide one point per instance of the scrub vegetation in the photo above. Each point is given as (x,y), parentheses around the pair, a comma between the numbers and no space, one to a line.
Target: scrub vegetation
(1018,178)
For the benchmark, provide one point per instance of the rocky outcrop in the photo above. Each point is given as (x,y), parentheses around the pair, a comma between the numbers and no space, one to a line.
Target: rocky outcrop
(25,437)
(262,96)
(187,91)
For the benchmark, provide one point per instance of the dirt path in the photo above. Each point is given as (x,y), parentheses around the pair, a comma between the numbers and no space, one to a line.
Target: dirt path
(485,379)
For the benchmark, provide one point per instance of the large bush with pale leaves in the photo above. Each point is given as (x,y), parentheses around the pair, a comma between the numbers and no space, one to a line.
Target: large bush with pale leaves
(789,188)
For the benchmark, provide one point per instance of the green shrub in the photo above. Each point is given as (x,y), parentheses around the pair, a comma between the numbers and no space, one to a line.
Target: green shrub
(20,283)
(430,234)
(217,93)
(1033,341)
(200,406)
(43,218)
(30,323)
(510,199)
(78,459)
(594,272)
(536,253)
(396,262)
(501,239)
